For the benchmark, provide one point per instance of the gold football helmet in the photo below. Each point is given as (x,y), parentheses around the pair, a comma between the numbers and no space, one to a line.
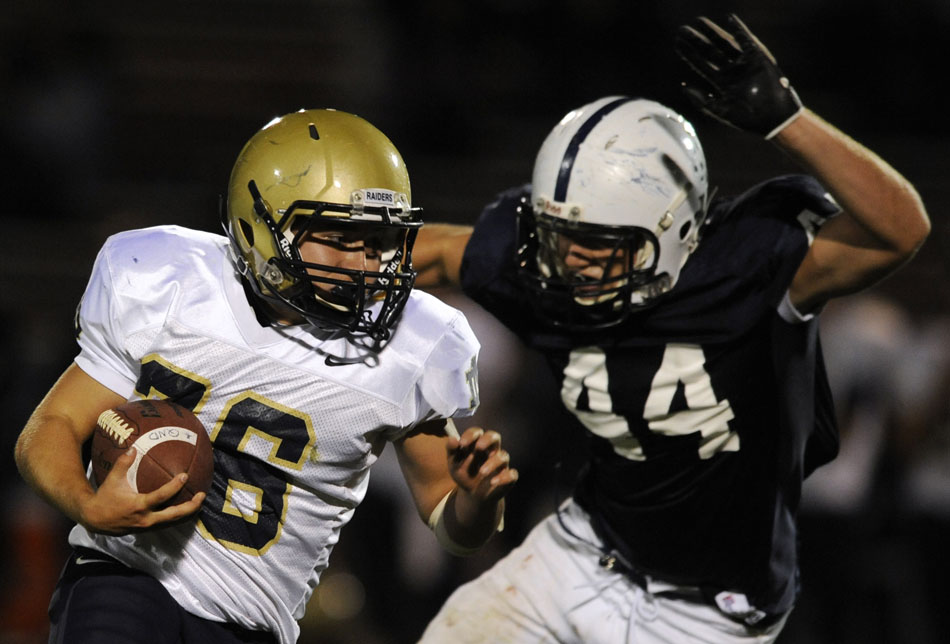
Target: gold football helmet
(322,168)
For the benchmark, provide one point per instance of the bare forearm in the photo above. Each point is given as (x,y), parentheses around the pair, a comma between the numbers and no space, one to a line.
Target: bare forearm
(437,255)
(48,458)
(867,188)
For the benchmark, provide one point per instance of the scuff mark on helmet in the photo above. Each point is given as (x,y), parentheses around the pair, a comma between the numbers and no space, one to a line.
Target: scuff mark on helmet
(291,181)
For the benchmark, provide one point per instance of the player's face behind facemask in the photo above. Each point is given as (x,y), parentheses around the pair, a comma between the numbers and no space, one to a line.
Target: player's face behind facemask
(585,276)
(595,265)
(349,266)
(625,178)
(300,177)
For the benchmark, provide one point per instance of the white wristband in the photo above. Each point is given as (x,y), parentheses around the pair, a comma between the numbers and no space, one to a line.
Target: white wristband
(437,525)
(790,314)
(784,124)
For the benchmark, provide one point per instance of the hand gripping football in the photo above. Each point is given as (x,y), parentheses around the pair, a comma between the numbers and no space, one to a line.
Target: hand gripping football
(168,440)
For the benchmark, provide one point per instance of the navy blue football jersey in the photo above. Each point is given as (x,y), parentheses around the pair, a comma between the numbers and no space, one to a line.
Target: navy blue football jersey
(706,410)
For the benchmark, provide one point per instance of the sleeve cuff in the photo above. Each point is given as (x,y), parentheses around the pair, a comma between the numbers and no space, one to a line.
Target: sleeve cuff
(790,314)
(105,376)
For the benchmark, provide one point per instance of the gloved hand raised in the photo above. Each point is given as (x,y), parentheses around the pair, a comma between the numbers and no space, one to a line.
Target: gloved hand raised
(739,82)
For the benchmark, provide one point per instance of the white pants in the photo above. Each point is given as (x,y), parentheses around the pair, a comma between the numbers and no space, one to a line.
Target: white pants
(552,588)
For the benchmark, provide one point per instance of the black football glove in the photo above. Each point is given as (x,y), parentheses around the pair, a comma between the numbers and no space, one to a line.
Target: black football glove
(739,82)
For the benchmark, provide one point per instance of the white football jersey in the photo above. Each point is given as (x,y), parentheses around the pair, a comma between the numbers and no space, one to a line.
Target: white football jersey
(165,316)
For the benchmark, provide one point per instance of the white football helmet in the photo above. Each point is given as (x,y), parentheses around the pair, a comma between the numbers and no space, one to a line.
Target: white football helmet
(626,177)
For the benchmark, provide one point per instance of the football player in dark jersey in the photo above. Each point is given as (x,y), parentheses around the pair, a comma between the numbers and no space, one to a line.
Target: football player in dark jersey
(683,332)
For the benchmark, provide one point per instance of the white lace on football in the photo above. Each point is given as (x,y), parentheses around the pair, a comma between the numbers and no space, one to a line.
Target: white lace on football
(115,425)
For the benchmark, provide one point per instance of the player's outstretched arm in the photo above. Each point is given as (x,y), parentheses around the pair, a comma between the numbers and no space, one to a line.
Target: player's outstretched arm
(458,482)
(437,255)
(48,455)
(883,223)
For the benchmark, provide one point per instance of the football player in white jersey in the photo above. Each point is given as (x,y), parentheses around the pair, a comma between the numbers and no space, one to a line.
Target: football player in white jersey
(683,332)
(298,341)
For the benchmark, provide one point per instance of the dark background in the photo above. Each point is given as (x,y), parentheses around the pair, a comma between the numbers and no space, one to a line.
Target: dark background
(117,115)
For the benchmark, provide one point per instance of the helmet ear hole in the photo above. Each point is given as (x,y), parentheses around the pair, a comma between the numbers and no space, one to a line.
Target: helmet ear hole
(247,232)
(684,230)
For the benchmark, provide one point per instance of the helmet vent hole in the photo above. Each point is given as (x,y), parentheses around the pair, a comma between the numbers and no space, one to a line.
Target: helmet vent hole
(684,229)
(313,132)
(676,172)
(247,232)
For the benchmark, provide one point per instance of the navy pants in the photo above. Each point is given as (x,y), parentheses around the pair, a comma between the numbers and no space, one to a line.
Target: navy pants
(98,599)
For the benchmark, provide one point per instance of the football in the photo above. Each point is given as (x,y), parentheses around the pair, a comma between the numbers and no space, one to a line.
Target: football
(168,440)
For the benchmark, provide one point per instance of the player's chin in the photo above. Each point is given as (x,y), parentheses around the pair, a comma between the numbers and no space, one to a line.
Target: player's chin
(597,292)
(339,297)
(596,298)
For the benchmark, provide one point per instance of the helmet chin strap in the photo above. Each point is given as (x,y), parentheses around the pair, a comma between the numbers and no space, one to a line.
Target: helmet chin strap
(651,290)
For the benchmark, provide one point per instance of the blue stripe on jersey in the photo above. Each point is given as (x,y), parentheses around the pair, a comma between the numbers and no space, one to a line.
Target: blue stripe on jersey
(567,163)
